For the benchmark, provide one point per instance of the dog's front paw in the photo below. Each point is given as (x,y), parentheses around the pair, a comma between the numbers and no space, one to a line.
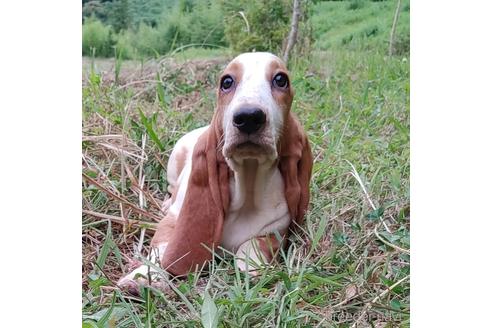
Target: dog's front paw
(142,276)
(244,267)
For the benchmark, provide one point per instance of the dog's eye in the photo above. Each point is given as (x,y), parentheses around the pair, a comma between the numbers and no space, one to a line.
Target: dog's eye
(281,80)
(226,83)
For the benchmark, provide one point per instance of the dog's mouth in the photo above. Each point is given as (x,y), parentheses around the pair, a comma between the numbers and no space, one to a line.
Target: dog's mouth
(249,144)
(250,149)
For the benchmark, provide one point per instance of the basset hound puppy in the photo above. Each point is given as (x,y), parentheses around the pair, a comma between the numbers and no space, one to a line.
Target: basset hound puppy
(241,181)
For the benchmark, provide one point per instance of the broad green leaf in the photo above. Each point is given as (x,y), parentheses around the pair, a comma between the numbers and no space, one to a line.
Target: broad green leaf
(321,280)
(395,304)
(340,238)
(286,279)
(209,315)
(376,214)
(101,322)
(94,284)
(117,313)
(89,324)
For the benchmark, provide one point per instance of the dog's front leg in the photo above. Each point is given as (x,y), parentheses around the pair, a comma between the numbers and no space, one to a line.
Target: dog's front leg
(145,275)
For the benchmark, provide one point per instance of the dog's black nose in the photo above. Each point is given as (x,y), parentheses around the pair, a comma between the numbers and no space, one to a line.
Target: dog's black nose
(249,120)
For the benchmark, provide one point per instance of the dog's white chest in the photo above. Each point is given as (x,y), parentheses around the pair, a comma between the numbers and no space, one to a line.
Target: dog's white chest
(257,206)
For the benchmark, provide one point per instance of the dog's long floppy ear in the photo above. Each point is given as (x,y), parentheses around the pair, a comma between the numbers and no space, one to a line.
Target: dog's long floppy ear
(296,162)
(201,218)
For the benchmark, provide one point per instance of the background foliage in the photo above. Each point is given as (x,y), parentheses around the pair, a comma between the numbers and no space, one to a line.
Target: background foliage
(136,29)
(149,28)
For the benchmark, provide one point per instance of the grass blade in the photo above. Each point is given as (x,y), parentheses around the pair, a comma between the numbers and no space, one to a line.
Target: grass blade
(150,130)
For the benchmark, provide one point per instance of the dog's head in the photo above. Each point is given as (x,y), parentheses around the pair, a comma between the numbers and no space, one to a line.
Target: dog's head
(254,96)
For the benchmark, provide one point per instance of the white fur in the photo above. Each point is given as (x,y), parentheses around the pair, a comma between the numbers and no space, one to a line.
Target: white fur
(258,204)
(249,257)
(186,142)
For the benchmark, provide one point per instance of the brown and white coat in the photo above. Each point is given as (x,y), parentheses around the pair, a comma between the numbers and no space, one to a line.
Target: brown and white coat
(238,181)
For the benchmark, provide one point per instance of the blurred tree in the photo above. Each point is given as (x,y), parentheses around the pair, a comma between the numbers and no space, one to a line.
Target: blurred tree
(393,29)
(95,8)
(120,19)
(256,25)
(294,29)
(96,39)
(147,11)
(186,6)
(124,14)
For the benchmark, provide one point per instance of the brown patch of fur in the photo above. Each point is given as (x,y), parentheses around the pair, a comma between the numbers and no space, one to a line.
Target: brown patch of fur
(235,70)
(283,97)
(199,226)
(296,162)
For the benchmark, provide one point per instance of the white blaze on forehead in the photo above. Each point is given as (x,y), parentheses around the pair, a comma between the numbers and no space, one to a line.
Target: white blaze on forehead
(254,85)
(255,89)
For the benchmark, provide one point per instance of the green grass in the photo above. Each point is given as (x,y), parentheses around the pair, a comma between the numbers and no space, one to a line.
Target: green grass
(354,103)
(368,26)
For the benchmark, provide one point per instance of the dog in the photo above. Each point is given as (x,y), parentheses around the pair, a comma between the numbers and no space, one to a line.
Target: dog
(238,183)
